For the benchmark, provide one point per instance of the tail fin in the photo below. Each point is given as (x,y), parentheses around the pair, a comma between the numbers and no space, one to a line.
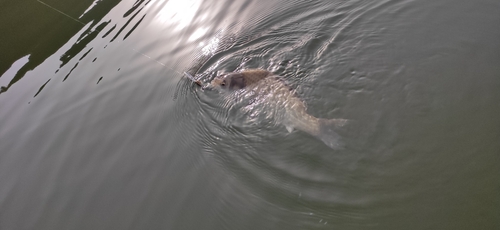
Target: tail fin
(327,132)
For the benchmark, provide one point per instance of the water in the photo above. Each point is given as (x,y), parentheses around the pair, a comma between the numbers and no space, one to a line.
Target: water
(100,130)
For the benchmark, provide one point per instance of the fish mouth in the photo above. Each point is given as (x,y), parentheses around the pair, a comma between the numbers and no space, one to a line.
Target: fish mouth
(207,87)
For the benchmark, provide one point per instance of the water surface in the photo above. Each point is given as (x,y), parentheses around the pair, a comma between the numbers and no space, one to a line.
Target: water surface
(100,130)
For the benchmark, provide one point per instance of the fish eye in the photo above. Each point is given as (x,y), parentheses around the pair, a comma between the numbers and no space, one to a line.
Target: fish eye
(223,83)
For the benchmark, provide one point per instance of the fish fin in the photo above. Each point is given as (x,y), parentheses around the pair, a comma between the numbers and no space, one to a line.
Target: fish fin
(337,123)
(289,128)
(327,132)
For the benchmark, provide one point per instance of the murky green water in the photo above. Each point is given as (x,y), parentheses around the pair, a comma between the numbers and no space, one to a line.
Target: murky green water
(100,130)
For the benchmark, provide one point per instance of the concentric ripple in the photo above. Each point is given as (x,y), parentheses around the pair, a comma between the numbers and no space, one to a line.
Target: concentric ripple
(243,131)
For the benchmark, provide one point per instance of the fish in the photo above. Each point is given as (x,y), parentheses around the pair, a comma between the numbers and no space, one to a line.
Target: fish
(290,109)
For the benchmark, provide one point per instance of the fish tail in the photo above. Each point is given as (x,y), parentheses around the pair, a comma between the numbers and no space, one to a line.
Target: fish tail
(327,134)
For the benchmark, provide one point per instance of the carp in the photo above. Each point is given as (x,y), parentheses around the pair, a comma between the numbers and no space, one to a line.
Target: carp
(290,110)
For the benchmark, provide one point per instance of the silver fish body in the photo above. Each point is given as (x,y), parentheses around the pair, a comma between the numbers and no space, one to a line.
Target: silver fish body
(271,95)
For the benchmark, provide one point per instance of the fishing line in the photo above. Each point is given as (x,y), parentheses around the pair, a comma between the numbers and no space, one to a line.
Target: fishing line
(74,19)
(133,49)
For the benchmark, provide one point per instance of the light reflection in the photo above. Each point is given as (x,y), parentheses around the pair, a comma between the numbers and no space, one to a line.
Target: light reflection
(8,75)
(198,33)
(211,47)
(179,13)
(90,7)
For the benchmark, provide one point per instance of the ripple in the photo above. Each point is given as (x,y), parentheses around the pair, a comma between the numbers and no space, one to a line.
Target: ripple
(250,144)
(127,137)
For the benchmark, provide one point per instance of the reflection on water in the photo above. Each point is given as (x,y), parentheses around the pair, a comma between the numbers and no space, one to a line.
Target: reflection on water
(176,13)
(100,130)
(45,31)
(11,72)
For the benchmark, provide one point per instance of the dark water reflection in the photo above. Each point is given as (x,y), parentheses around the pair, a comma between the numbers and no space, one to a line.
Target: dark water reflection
(99,130)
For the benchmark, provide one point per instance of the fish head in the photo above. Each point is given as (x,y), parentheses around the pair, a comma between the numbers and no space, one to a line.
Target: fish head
(229,81)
